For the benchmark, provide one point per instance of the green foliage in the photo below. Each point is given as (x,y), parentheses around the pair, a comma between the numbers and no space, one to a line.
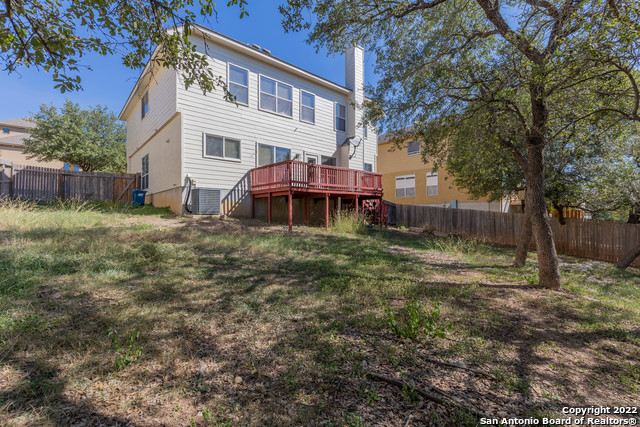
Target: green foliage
(125,355)
(54,36)
(414,321)
(92,139)
(349,222)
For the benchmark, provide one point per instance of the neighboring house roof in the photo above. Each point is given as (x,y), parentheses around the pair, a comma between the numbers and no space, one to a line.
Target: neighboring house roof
(390,136)
(255,52)
(17,123)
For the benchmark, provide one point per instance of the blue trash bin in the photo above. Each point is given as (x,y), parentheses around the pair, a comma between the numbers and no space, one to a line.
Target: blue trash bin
(138,197)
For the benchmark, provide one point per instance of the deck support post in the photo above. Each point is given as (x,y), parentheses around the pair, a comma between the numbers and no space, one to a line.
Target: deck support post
(290,210)
(326,211)
(380,216)
(269,208)
(306,211)
(357,206)
(253,206)
(339,204)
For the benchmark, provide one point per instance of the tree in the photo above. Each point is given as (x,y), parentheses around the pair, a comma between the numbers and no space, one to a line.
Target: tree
(92,139)
(55,35)
(448,59)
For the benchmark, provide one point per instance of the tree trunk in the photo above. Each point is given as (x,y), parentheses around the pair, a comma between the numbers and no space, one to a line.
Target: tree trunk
(526,233)
(548,268)
(629,258)
(634,214)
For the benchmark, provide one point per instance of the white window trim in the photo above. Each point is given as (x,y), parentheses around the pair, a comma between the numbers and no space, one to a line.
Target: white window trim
(404,177)
(307,155)
(314,107)
(419,148)
(229,64)
(228,159)
(276,95)
(432,174)
(346,117)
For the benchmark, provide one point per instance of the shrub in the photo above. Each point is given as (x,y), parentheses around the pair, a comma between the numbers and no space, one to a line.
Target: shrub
(414,320)
(125,355)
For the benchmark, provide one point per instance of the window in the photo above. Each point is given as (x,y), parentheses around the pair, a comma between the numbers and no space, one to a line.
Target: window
(413,147)
(432,184)
(276,97)
(144,176)
(221,147)
(239,84)
(144,106)
(364,130)
(368,167)
(65,166)
(328,160)
(307,107)
(406,186)
(341,117)
(6,130)
(268,154)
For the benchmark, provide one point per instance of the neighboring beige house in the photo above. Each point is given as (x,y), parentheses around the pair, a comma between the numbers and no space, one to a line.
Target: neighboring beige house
(407,180)
(12,134)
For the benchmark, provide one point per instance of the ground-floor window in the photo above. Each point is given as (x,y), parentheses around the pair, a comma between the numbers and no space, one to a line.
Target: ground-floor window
(432,184)
(406,186)
(328,160)
(368,167)
(268,154)
(221,147)
(144,176)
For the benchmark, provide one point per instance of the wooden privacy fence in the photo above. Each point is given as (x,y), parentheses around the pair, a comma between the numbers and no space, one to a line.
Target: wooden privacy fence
(585,238)
(38,183)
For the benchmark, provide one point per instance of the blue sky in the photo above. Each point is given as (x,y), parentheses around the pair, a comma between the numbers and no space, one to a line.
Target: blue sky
(110,82)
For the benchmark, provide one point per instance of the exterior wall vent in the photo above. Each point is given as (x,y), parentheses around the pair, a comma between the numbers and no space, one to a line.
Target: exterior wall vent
(205,201)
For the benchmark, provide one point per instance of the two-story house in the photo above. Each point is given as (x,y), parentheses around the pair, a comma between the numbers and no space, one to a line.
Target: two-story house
(290,138)
(12,136)
(408,180)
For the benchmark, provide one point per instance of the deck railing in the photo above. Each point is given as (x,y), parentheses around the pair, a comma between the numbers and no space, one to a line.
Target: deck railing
(301,176)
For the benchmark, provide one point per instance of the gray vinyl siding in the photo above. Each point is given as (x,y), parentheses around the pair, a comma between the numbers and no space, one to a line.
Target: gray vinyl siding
(212,114)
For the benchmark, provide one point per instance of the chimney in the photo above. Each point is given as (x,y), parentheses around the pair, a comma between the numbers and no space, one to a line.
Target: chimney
(354,80)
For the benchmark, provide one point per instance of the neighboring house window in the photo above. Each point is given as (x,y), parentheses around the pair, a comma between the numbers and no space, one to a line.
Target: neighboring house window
(268,154)
(432,184)
(276,97)
(368,167)
(406,186)
(144,176)
(221,147)
(6,130)
(239,84)
(144,107)
(341,117)
(413,147)
(364,130)
(307,107)
(65,166)
(328,160)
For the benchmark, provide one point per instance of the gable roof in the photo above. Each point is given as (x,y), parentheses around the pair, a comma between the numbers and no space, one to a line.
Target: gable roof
(248,50)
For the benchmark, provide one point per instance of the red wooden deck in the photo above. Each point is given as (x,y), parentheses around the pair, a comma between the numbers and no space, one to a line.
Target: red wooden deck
(306,180)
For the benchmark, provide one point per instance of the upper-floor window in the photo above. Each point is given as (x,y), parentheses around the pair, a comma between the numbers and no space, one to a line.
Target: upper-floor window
(144,176)
(432,184)
(144,106)
(6,130)
(341,117)
(239,84)
(276,97)
(307,107)
(368,167)
(328,160)
(364,130)
(406,186)
(221,147)
(413,147)
(268,154)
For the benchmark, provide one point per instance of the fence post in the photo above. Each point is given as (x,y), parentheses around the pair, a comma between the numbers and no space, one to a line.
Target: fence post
(61,185)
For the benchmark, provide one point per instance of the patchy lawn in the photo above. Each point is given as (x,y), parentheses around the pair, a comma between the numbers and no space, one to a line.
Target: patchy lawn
(127,316)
